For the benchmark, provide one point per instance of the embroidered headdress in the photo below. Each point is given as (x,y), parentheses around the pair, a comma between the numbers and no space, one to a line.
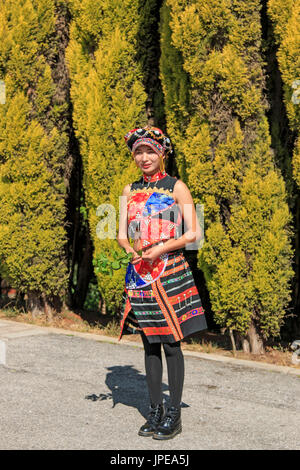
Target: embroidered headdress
(151,136)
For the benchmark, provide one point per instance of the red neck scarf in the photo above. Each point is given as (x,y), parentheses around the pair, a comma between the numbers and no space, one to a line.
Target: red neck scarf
(157,176)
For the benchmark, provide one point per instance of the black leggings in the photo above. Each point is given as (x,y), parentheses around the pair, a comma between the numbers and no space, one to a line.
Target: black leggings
(153,366)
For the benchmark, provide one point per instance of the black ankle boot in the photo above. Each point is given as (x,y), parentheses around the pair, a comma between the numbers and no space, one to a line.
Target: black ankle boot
(155,415)
(170,425)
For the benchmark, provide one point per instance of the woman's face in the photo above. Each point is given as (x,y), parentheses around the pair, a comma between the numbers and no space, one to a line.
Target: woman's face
(147,159)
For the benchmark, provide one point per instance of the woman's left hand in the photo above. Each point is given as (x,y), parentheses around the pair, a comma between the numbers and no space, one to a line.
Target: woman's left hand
(151,254)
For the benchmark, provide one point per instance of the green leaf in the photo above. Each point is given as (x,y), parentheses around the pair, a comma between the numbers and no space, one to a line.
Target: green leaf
(104,270)
(115,265)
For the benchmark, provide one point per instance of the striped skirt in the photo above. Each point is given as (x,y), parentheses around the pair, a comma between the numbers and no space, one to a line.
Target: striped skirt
(168,309)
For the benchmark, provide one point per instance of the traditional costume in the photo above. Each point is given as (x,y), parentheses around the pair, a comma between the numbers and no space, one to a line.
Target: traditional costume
(160,298)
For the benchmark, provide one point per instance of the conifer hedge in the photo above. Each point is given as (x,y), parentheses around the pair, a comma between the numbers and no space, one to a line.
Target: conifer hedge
(285,16)
(226,160)
(212,75)
(33,148)
(108,99)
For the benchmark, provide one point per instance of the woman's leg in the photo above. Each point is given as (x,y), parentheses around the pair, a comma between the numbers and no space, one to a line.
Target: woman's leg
(153,366)
(175,364)
(170,424)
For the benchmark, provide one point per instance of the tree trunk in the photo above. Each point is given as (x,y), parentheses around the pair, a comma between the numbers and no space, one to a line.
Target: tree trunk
(232,341)
(47,308)
(256,342)
(35,304)
(246,345)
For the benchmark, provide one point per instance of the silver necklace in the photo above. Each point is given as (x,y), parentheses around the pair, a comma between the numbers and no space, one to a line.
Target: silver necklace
(148,185)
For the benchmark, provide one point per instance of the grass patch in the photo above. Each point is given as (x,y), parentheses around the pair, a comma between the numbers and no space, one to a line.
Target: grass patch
(12,313)
(203,345)
(112,328)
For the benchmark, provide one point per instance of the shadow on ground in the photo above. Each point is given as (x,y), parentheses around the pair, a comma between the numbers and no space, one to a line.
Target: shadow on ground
(128,387)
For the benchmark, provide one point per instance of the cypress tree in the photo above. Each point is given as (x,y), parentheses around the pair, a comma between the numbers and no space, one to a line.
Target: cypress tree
(108,99)
(227,162)
(34,159)
(176,88)
(284,17)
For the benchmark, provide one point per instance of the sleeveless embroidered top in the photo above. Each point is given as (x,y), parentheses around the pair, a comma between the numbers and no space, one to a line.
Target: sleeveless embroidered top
(152,210)
(153,216)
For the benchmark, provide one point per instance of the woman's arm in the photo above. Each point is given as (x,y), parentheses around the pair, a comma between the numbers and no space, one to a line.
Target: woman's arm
(185,201)
(122,237)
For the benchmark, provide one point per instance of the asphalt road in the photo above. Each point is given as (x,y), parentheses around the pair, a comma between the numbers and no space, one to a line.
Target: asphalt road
(66,392)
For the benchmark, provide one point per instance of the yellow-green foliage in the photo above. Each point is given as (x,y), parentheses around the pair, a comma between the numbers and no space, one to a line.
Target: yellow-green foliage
(108,100)
(176,87)
(227,162)
(32,152)
(285,16)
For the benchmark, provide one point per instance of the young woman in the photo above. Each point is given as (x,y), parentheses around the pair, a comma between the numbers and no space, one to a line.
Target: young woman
(161,301)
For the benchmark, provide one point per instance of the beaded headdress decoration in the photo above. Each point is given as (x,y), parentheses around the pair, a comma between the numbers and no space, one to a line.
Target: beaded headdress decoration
(148,135)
